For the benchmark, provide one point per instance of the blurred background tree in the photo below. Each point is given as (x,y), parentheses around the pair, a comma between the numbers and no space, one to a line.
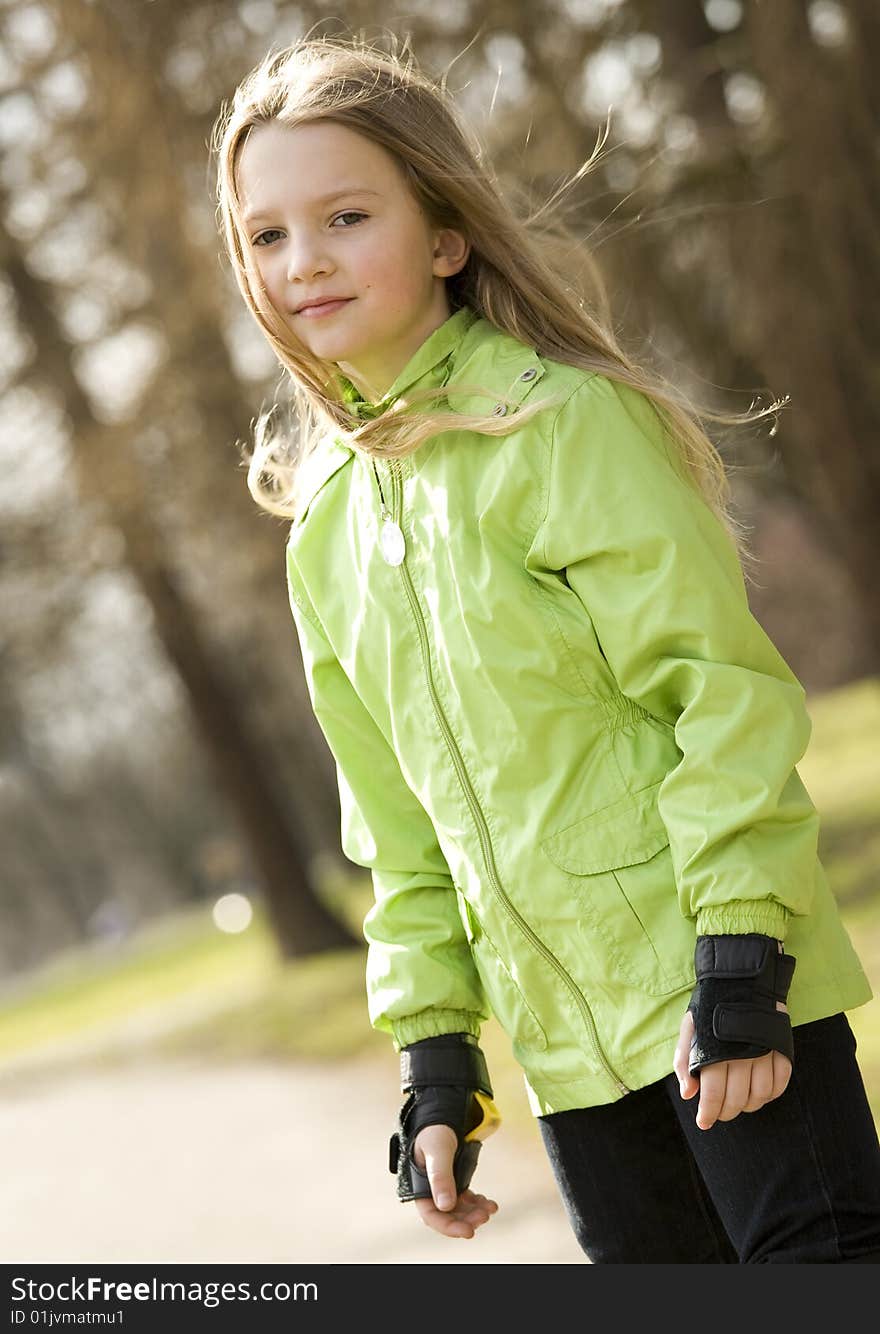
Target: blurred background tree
(158,746)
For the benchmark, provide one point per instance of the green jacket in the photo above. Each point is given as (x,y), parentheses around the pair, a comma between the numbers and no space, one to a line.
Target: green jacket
(564,745)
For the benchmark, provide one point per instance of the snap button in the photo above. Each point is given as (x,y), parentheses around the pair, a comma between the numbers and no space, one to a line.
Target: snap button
(499,410)
(529,374)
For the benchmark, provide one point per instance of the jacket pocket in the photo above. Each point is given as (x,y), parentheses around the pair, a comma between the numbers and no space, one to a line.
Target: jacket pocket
(620,873)
(506,1000)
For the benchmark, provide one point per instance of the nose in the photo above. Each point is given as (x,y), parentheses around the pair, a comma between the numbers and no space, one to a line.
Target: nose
(305,260)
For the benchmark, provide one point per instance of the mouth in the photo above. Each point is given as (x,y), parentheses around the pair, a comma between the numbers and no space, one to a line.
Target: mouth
(323,307)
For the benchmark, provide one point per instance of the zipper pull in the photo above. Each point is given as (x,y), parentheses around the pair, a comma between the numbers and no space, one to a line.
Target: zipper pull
(391,539)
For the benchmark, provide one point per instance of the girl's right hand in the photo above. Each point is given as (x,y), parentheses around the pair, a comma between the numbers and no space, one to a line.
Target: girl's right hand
(448,1213)
(730,1087)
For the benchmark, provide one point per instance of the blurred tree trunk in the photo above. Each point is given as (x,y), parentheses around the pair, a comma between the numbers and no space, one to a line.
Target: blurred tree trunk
(718,177)
(815,264)
(42,883)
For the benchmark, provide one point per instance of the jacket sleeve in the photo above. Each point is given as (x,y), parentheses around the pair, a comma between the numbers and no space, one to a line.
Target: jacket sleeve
(660,578)
(421,978)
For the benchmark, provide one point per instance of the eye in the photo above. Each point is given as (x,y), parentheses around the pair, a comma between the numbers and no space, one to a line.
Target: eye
(275,231)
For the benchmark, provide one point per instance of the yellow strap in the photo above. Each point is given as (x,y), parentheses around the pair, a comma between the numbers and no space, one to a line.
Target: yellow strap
(491,1118)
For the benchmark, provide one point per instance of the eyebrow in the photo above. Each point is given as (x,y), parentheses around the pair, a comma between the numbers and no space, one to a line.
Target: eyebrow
(324,199)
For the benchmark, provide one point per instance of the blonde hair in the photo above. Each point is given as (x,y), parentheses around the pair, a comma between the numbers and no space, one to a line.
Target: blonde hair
(517,274)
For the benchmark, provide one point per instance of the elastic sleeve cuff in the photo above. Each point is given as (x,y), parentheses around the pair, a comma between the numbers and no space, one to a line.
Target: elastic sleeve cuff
(433,1024)
(738,919)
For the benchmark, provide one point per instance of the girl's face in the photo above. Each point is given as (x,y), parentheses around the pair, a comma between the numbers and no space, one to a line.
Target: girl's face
(328,213)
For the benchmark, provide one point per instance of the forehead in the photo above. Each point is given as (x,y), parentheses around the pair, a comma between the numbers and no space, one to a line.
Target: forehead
(280,165)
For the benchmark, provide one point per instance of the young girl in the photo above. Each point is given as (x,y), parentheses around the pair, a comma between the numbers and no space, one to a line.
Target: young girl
(565,748)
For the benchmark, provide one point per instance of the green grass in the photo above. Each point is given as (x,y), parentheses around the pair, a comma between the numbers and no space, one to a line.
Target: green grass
(218,997)
(842,774)
(180,958)
(314,1009)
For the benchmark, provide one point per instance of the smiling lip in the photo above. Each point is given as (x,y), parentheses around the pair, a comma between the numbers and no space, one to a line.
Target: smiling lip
(324,307)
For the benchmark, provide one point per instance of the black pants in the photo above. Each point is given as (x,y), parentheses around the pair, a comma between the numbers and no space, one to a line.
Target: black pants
(797,1182)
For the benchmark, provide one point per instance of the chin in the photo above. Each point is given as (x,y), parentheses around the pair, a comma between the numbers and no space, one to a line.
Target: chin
(331,349)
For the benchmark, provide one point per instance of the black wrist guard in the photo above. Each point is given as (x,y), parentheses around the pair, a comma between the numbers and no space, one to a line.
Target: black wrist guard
(447,1083)
(739,981)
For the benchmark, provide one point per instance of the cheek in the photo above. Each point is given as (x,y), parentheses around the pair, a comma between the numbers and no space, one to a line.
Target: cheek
(257,276)
(270,275)
(379,262)
(399,284)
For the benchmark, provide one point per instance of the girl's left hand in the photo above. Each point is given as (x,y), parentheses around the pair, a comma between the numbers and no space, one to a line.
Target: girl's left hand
(730,1087)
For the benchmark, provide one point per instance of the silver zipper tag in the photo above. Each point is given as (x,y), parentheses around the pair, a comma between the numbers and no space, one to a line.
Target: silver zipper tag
(392,542)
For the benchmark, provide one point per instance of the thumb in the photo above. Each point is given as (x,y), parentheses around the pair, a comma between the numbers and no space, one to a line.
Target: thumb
(688,1084)
(437,1146)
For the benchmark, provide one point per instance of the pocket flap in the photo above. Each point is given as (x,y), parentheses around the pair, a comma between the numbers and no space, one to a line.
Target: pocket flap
(628,831)
(326,458)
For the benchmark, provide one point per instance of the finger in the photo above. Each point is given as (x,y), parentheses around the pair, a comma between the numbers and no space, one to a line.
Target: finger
(761,1086)
(426,1137)
(447,1224)
(679,1060)
(469,1197)
(463,1212)
(688,1084)
(781,1064)
(781,1073)
(438,1144)
(713,1086)
(462,1221)
(474,1207)
(683,1046)
(736,1094)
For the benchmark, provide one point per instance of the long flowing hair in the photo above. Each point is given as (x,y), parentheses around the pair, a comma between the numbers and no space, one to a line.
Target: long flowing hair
(518,274)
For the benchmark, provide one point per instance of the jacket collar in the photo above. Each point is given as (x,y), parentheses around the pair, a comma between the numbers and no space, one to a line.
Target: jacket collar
(427,367)
(518,369)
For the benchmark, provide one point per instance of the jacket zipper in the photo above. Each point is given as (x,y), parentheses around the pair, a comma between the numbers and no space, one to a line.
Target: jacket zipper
(482,828)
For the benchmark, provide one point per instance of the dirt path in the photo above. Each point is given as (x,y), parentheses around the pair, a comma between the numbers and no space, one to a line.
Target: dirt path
(249,1163)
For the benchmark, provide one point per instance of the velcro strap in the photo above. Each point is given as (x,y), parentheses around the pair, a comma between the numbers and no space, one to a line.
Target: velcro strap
(439,1064)
(731,956)
(784,973)
(761,1028)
